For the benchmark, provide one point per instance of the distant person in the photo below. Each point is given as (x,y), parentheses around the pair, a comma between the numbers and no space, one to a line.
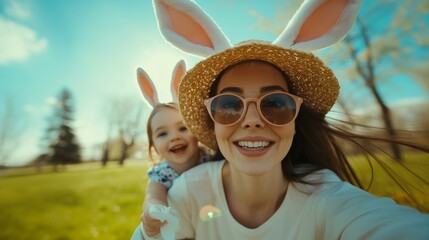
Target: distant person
(281,172)
(172,141)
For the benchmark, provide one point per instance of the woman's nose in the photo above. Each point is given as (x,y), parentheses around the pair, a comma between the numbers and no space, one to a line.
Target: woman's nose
(252,119)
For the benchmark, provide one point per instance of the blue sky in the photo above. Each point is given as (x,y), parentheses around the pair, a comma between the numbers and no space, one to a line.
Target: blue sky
(94,48)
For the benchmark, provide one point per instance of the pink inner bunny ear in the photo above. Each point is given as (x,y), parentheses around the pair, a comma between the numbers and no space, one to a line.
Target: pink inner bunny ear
(178,72)
(184,24)
(147,88)
(318,24)
(188,28)
(321,20)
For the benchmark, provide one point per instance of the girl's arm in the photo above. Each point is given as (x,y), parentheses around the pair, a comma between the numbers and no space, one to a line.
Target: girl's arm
(156,193)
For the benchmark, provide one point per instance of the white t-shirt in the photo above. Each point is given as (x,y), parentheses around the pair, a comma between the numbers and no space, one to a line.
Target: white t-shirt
(331,210)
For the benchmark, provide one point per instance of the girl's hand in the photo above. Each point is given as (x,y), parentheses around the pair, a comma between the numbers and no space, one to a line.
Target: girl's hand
(151,226)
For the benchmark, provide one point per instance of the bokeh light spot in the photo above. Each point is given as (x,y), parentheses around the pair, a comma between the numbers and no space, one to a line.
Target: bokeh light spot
(209,212)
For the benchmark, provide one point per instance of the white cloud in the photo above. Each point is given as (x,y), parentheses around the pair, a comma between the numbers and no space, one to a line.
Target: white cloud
(15,9)
(18,42)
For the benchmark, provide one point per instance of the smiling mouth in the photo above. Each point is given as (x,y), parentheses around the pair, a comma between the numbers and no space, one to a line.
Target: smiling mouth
(178,148)
(256,145)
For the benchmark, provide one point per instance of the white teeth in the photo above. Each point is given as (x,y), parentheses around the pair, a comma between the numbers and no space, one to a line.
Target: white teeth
(176,147)
(253,145)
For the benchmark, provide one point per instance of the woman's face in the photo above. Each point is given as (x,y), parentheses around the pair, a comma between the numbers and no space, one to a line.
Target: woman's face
(252,145)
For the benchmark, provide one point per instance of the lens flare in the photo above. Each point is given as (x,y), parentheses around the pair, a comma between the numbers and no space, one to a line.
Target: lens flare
(209,212)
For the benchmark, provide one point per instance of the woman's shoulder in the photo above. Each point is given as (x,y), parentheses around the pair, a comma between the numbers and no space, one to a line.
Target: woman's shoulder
(321,176)
(317,181)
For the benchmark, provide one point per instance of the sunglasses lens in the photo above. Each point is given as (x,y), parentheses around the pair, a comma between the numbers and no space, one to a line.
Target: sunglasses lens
(226,109)
(278,108)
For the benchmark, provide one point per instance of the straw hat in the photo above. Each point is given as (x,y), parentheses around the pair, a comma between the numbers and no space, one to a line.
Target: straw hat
(311,78)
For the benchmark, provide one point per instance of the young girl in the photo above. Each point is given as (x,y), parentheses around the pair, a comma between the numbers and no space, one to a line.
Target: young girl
(281,172)
(172,141)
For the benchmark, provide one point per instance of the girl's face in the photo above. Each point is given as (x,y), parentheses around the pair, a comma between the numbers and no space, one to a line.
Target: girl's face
(172,140)
(252,145)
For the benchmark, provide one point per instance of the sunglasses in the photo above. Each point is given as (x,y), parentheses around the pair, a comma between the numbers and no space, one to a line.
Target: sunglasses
(277,108)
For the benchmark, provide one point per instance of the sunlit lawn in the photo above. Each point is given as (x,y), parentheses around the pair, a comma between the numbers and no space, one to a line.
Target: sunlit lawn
(383,185)
(84,203)
(90,202)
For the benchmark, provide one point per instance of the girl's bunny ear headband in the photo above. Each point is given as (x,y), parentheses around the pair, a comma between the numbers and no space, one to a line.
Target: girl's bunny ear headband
(315,25)
(148,89)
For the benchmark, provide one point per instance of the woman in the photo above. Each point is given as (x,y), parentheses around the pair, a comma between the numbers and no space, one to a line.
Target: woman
(263,106)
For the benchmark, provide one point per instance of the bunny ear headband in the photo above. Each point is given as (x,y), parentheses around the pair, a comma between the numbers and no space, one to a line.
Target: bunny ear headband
(316,24)
(148,89)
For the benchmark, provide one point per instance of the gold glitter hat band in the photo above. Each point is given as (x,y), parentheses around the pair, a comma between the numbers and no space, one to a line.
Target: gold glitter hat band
(311,79)
(315,25)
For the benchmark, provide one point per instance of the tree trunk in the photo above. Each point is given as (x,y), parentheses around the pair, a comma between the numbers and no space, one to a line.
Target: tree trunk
(124,154)
(366,70)
(105,156)
(124,151)
(387,119)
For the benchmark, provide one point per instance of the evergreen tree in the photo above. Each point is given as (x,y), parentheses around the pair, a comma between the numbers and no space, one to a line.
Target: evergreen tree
(63,147)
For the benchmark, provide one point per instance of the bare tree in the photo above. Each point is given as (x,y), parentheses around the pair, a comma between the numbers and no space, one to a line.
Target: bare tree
(106,145)
(105,153)
(366,68)
(11,128)
(127,121)
(377,46)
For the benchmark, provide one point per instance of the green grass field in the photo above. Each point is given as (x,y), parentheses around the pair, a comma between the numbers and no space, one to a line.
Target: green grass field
(82,202)
(87,201)
(383,185)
